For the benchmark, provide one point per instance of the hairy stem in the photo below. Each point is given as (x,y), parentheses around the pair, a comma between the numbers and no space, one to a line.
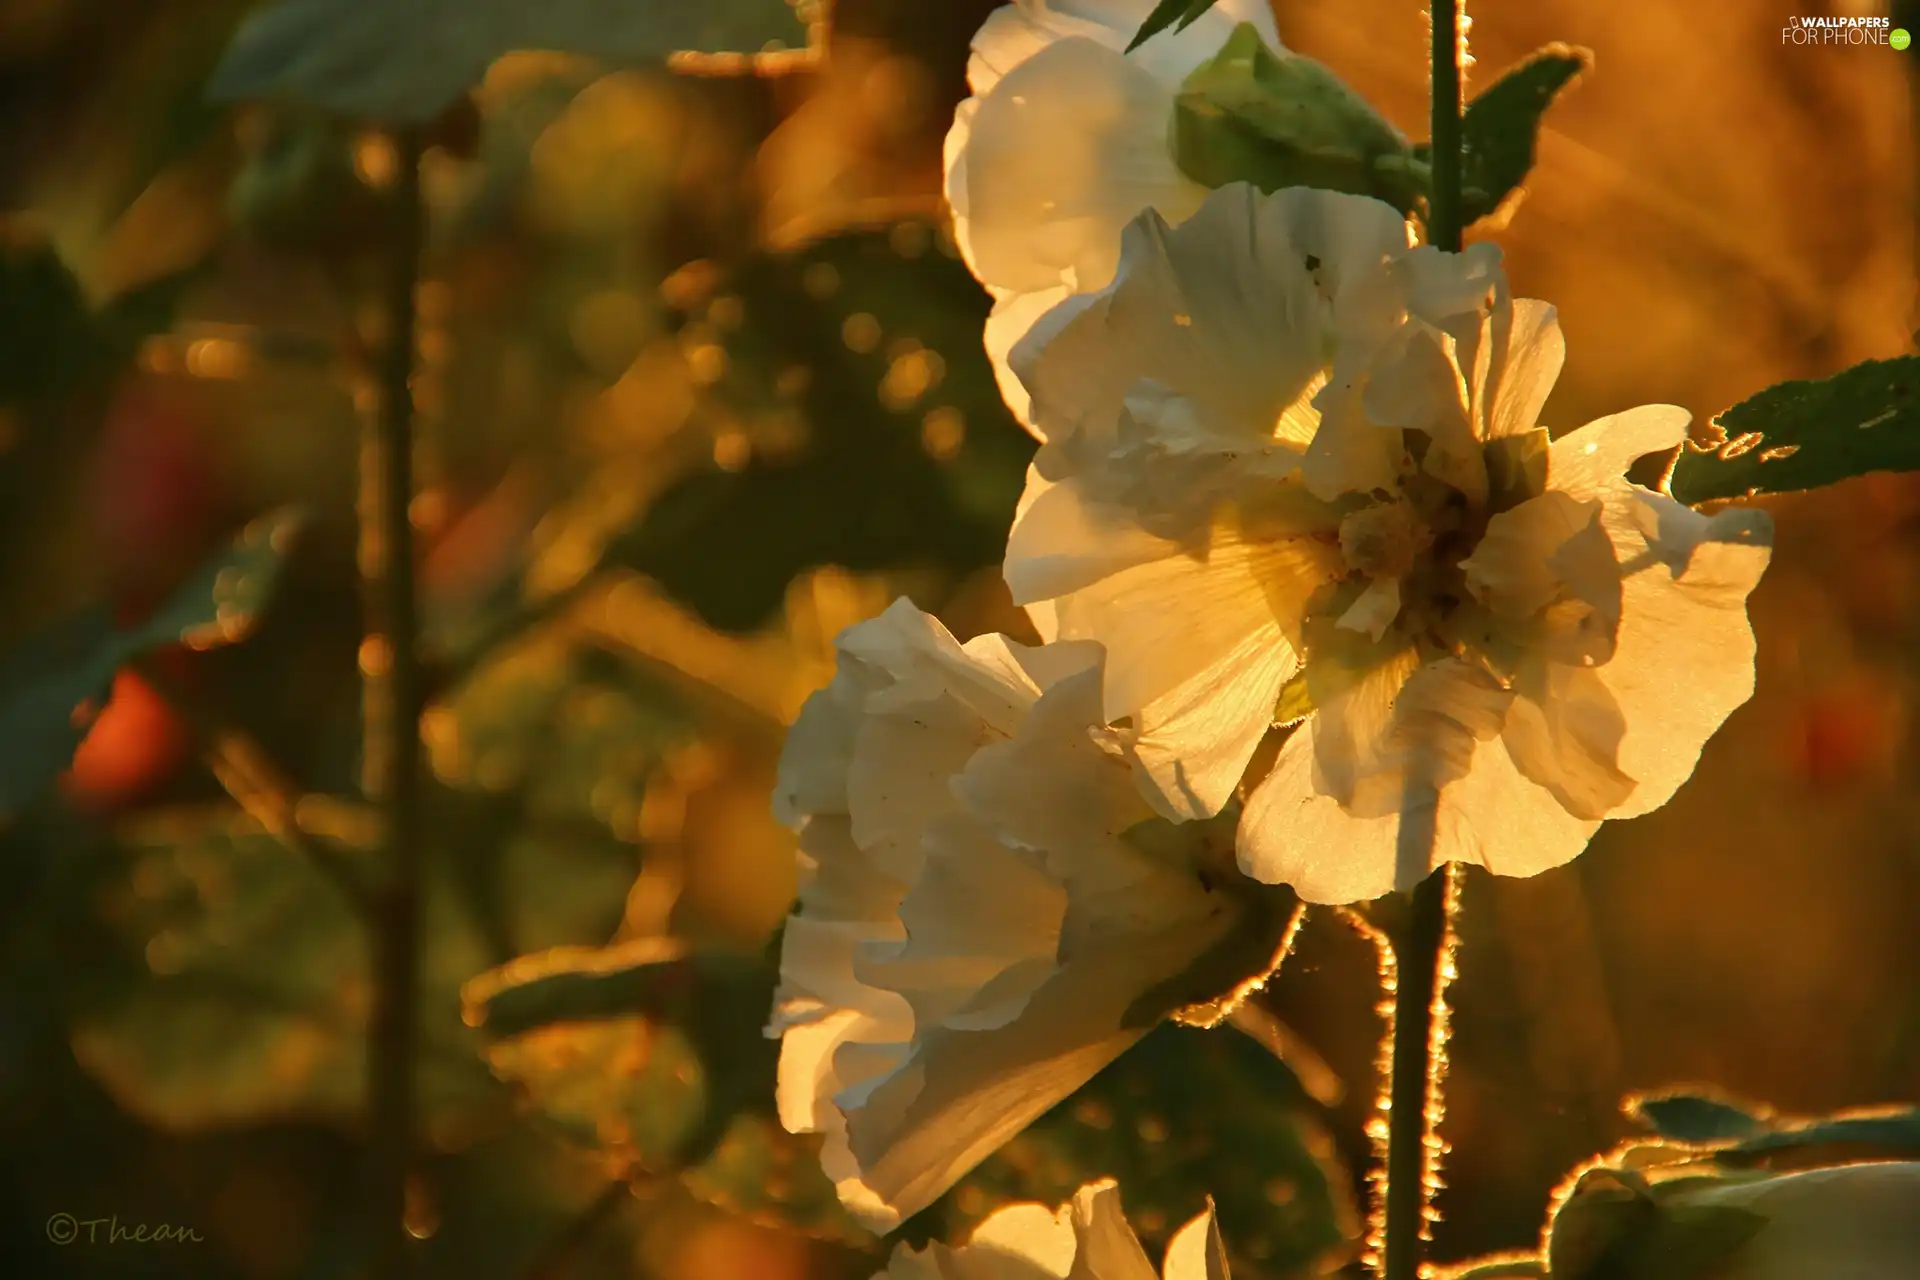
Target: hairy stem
(1422,946)
(1443,212)
(390,657)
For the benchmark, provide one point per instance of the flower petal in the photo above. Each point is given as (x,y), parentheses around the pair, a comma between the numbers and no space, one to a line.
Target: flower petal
(1683,659)
(1493,817)
(1594,457)
(1515,569)
(1014,315)
(1354,699)
(1536,350)
(961,1094)
(1197,650)
(1234,310)
(1062,542)
(1106,1248)
(1566,737)
(1028,1232)
(1196,1251)
(1061,154)
(983,927)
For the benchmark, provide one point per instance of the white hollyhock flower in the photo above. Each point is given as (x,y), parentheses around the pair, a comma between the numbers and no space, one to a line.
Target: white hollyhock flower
(1844,1222)
(1280,434)
(1064,141)
(1086,1239)
(975,938)
(1851,1222)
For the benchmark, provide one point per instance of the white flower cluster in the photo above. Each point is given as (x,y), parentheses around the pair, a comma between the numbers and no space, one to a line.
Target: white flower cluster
(1290,465)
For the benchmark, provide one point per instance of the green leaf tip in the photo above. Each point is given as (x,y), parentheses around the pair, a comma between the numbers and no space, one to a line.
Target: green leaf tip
(1166,14)
(1500,131)
(1696,1116)
(1806,434)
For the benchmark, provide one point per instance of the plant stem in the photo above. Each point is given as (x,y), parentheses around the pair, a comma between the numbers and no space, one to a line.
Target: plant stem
(393,755)
(1443,211)
(1422,946)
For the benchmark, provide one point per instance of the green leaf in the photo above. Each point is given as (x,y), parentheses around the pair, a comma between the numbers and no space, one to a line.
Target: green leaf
(1166,14)
(1502,125)
(877,433)
(1696,1117)
(626,1086)
(1801,435)
(51,687)
(221,603)
(1184,1111)
(578,732)
(230,983)
(55,682)
(760,1172)
(404,61)
(705,1008)
(1892,1131)
(228,979)
(1280,119)
(650,1051)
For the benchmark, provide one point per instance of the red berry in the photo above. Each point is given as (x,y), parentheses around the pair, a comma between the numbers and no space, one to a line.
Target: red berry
(135,745)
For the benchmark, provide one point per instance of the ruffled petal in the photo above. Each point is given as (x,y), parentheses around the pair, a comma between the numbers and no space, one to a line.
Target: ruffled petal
(1515,571)
(1197,1251)
(1061,154)
(1105,1246)
(983,927)
(1197,650)
(1062,542)
(1683,658)
(1536,351)
(961,1094)
(1235,311)
(1056,790)
(1566,737)
(1029,1233)
(1493,817)
(1014,315)
(1587,461)
(1354,700)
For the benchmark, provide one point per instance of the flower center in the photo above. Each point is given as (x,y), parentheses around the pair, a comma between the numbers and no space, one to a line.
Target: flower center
(1384,540)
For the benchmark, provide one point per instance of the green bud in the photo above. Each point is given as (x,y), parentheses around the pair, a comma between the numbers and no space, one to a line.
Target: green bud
(1617,1226)
(1283,120)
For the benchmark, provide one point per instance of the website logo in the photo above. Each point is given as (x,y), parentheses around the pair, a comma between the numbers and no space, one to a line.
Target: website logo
(1824,30)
